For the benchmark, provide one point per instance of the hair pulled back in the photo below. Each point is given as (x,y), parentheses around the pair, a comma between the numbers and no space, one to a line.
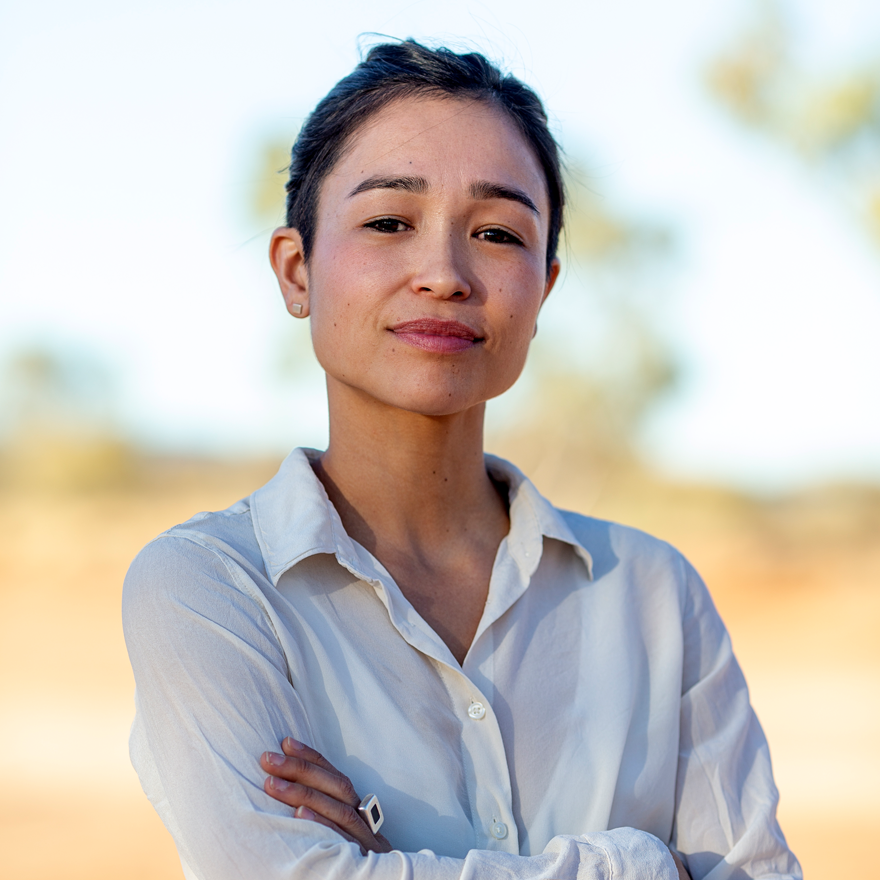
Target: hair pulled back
(401,70)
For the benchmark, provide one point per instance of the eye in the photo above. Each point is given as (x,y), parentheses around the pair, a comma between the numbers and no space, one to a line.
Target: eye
(387,224)
(499,236)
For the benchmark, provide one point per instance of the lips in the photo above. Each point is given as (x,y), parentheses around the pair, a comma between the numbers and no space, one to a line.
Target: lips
(431,334)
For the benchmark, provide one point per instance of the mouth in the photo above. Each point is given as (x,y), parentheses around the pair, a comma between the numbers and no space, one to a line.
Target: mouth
(431,334)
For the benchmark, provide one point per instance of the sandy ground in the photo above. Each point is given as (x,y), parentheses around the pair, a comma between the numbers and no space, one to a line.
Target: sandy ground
(803,607)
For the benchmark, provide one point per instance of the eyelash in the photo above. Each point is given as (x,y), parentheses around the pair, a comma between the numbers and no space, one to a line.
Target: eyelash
(504,235)
(381,225)
(507,237)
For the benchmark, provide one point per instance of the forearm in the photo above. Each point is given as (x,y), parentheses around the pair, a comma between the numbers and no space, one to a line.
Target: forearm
(622,854)
(213,693)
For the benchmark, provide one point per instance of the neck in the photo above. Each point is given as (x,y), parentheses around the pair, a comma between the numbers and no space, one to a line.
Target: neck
(409,482)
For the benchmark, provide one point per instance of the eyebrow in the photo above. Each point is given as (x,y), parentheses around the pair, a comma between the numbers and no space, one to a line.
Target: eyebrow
(408,184)
(482,190)
(485,190)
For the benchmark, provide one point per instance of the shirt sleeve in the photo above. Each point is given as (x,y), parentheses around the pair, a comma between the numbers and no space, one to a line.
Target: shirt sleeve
(213,694)
(725,823)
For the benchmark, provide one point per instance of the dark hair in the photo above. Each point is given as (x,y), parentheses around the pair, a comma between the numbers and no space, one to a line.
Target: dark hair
(399,70)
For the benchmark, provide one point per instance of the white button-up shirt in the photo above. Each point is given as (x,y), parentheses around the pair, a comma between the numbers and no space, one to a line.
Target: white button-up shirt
(599,713)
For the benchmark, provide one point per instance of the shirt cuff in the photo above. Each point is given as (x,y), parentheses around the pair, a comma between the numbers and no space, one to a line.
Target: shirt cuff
(620,854)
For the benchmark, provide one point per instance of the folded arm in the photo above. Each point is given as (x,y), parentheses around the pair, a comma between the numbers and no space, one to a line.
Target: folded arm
(213,693)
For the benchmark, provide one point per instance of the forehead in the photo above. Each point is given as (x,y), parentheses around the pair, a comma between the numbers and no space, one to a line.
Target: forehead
(448,141)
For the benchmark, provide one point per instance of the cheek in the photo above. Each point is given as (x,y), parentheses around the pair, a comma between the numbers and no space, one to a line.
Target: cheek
(350,279)
(521,312)
(343,317)
(330,321)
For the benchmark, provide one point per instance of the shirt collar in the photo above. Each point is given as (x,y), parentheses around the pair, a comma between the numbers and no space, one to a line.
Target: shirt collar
(293,519)
(532,518)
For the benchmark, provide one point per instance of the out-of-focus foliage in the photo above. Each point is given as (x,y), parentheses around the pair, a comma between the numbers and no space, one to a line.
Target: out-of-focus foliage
(828,119)
(57,429)
(743,77)
(267,196)
(595,385)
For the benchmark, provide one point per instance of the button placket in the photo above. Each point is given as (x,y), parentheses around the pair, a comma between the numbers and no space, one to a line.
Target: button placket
(491,776)
(476,710)
(485,765)
(498,830)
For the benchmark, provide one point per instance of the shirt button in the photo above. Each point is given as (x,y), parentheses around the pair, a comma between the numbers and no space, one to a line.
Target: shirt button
(477,711)
(499,830)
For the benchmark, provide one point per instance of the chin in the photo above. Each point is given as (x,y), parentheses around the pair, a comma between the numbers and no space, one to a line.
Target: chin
(437,407)
(430,394)
(443,401)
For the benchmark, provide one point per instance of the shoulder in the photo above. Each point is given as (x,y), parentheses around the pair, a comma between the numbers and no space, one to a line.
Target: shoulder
(645,568)
(624,560)
(225,534)
(211,559)
(196,606)
(613,545)
(651,582)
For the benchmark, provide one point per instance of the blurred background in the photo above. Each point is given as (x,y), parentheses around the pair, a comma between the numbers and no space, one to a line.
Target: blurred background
(708,369)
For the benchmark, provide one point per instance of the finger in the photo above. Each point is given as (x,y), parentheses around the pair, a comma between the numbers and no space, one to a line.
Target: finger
(296,769)
(340,789)
(297,794)
(682,871)
(386,847)
(311,816)
(338,815)
(381,844)
(296,749)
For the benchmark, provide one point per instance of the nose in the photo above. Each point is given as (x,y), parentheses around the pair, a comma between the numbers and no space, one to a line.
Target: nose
(441,270)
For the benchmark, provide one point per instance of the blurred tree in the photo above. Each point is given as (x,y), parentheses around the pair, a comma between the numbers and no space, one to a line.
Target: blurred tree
(830,120)
(57,430)
(594,380)
(267,204)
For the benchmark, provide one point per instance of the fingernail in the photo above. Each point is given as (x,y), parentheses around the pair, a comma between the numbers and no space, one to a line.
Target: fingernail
(274,758)
(278,784)
(294,744)
(303,813)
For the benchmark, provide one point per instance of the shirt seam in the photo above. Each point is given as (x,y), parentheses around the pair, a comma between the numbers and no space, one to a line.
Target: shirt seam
(242,584)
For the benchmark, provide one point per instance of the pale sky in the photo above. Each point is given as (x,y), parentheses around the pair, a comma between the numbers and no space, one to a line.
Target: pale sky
(129,134)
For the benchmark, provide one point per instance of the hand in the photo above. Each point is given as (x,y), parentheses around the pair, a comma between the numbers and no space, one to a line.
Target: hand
(304,779)
(682,871)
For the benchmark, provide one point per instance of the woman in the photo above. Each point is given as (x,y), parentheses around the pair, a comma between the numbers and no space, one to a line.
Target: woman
(525,692)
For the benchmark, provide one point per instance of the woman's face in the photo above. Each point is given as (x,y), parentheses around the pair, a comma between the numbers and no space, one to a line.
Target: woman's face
(429,261)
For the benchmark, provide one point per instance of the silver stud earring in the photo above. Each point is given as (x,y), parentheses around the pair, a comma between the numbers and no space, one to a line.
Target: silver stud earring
(297,308)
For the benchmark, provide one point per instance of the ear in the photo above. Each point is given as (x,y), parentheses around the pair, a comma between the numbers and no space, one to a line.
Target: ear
(289,264)
(552,275)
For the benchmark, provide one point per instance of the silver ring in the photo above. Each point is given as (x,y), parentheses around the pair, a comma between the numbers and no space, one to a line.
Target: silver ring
(371,812)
